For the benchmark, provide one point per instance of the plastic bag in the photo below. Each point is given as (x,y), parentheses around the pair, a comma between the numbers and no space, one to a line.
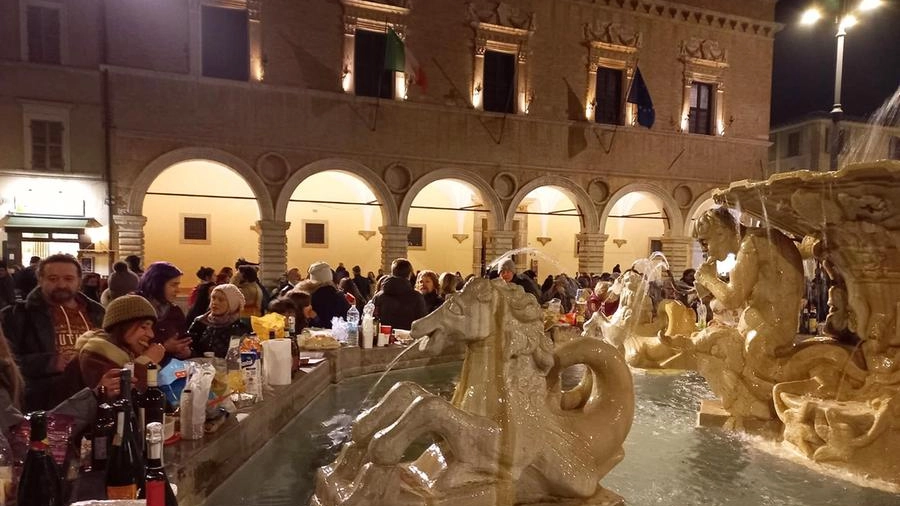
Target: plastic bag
(199,382)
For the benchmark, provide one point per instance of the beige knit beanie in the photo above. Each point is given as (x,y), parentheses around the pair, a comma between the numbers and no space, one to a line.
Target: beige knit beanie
(233,294)
(125,308)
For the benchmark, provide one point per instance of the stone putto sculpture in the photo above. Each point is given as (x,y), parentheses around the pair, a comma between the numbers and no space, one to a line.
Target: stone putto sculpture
(510,435)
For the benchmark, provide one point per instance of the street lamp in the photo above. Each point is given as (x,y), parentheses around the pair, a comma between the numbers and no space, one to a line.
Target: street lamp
(844,19)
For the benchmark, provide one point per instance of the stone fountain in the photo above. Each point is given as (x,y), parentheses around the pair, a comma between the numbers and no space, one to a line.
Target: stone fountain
(510,435)
(832,398)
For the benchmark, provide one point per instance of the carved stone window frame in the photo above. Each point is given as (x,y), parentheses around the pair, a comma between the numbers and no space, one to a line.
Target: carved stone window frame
(612,56)
(504,39)
(376,17)
(708,71)
(254,34)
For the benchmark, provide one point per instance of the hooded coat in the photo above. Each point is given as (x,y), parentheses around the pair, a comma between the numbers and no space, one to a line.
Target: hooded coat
(398,304)
(326,300)
(32,338)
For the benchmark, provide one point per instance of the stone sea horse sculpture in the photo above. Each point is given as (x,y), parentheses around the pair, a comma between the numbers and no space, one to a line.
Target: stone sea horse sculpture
(645,341)
(510,435)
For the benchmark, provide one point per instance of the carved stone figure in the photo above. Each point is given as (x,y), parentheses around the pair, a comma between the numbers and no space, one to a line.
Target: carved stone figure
(502,14)
(509,435)
(703,49)
(612,33)
(838,401)
(645,341)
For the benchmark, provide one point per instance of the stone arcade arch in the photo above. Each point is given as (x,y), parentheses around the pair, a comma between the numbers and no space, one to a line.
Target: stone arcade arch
(588,245)
(391,236)
(700,205)
(673,243)
(479,232)
(130,234)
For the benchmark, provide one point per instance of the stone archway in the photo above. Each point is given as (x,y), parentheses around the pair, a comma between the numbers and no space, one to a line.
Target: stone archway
(673,223)
(589,241)
(700,204)
(673,244)
(129,230)
(394,238)
(157,166)
(389,212)
(480,235)
(484,189)
(577,194)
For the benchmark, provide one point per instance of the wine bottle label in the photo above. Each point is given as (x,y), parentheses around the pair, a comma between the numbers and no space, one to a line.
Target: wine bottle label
(156,493)
(125,492)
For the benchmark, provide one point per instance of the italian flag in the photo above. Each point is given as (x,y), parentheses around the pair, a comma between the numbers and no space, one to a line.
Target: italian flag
(399,58)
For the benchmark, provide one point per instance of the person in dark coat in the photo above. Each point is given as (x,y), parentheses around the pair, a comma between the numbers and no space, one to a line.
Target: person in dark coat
(213,330)
(199,299)
(428,285)
(43,330)
(363,284)
(159,285)
(7,287)
(398,304)
(508,273)
(327,300)
(26,279)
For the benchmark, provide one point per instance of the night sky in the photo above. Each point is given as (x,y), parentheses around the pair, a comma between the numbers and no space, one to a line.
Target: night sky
(803,74)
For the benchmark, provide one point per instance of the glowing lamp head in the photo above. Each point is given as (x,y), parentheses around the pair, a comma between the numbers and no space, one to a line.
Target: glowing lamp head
(810,16)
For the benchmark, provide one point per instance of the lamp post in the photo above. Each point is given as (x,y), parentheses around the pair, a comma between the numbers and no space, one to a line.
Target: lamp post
(844,19)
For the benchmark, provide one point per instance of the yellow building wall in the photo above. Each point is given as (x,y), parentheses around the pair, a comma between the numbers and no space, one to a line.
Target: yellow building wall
(343,223)
(230,220)
(557,256)
(637,232)
(442,252)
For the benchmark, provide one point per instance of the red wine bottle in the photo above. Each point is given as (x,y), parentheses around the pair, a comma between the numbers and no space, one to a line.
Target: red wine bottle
(156,490)
(103,432)
(125,467)
(154,398)
(40,483)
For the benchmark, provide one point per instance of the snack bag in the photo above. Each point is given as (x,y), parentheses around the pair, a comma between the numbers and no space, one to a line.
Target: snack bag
(262,325)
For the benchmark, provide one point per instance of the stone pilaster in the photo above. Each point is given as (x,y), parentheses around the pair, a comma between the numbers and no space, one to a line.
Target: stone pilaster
(498,243)
(394,244)
(678,252)
(590,252)
(128,235)
(272,250)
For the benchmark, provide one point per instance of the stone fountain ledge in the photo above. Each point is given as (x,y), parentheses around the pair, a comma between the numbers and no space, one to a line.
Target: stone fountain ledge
(199,467)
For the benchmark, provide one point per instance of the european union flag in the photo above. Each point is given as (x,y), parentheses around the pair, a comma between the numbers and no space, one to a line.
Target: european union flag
(640,95)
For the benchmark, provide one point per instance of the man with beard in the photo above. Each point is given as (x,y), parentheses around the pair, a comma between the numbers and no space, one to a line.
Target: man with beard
(43,328)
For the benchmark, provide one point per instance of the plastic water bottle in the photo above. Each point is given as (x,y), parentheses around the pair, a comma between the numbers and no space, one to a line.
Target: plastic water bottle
(352,326)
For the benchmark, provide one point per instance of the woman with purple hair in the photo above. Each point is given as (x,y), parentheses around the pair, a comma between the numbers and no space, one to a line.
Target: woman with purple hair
(159,285)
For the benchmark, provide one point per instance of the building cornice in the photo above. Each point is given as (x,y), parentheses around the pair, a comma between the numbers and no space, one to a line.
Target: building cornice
(692,15)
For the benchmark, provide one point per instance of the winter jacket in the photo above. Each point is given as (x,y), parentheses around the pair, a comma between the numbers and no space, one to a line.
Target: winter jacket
(200,302)
(7,291)
(326,300)
(398,304)
(205,338)
(97,354)
(432,301)
(29,327)
(528,284)
(364,287)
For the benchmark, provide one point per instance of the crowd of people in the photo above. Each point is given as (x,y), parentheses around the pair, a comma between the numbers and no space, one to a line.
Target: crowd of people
(65,332)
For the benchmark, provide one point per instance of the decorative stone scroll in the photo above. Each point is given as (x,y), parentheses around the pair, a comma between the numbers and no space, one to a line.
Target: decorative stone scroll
(703,52)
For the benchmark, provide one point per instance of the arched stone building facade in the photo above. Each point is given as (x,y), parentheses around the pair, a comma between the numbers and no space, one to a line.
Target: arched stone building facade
(273,228)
